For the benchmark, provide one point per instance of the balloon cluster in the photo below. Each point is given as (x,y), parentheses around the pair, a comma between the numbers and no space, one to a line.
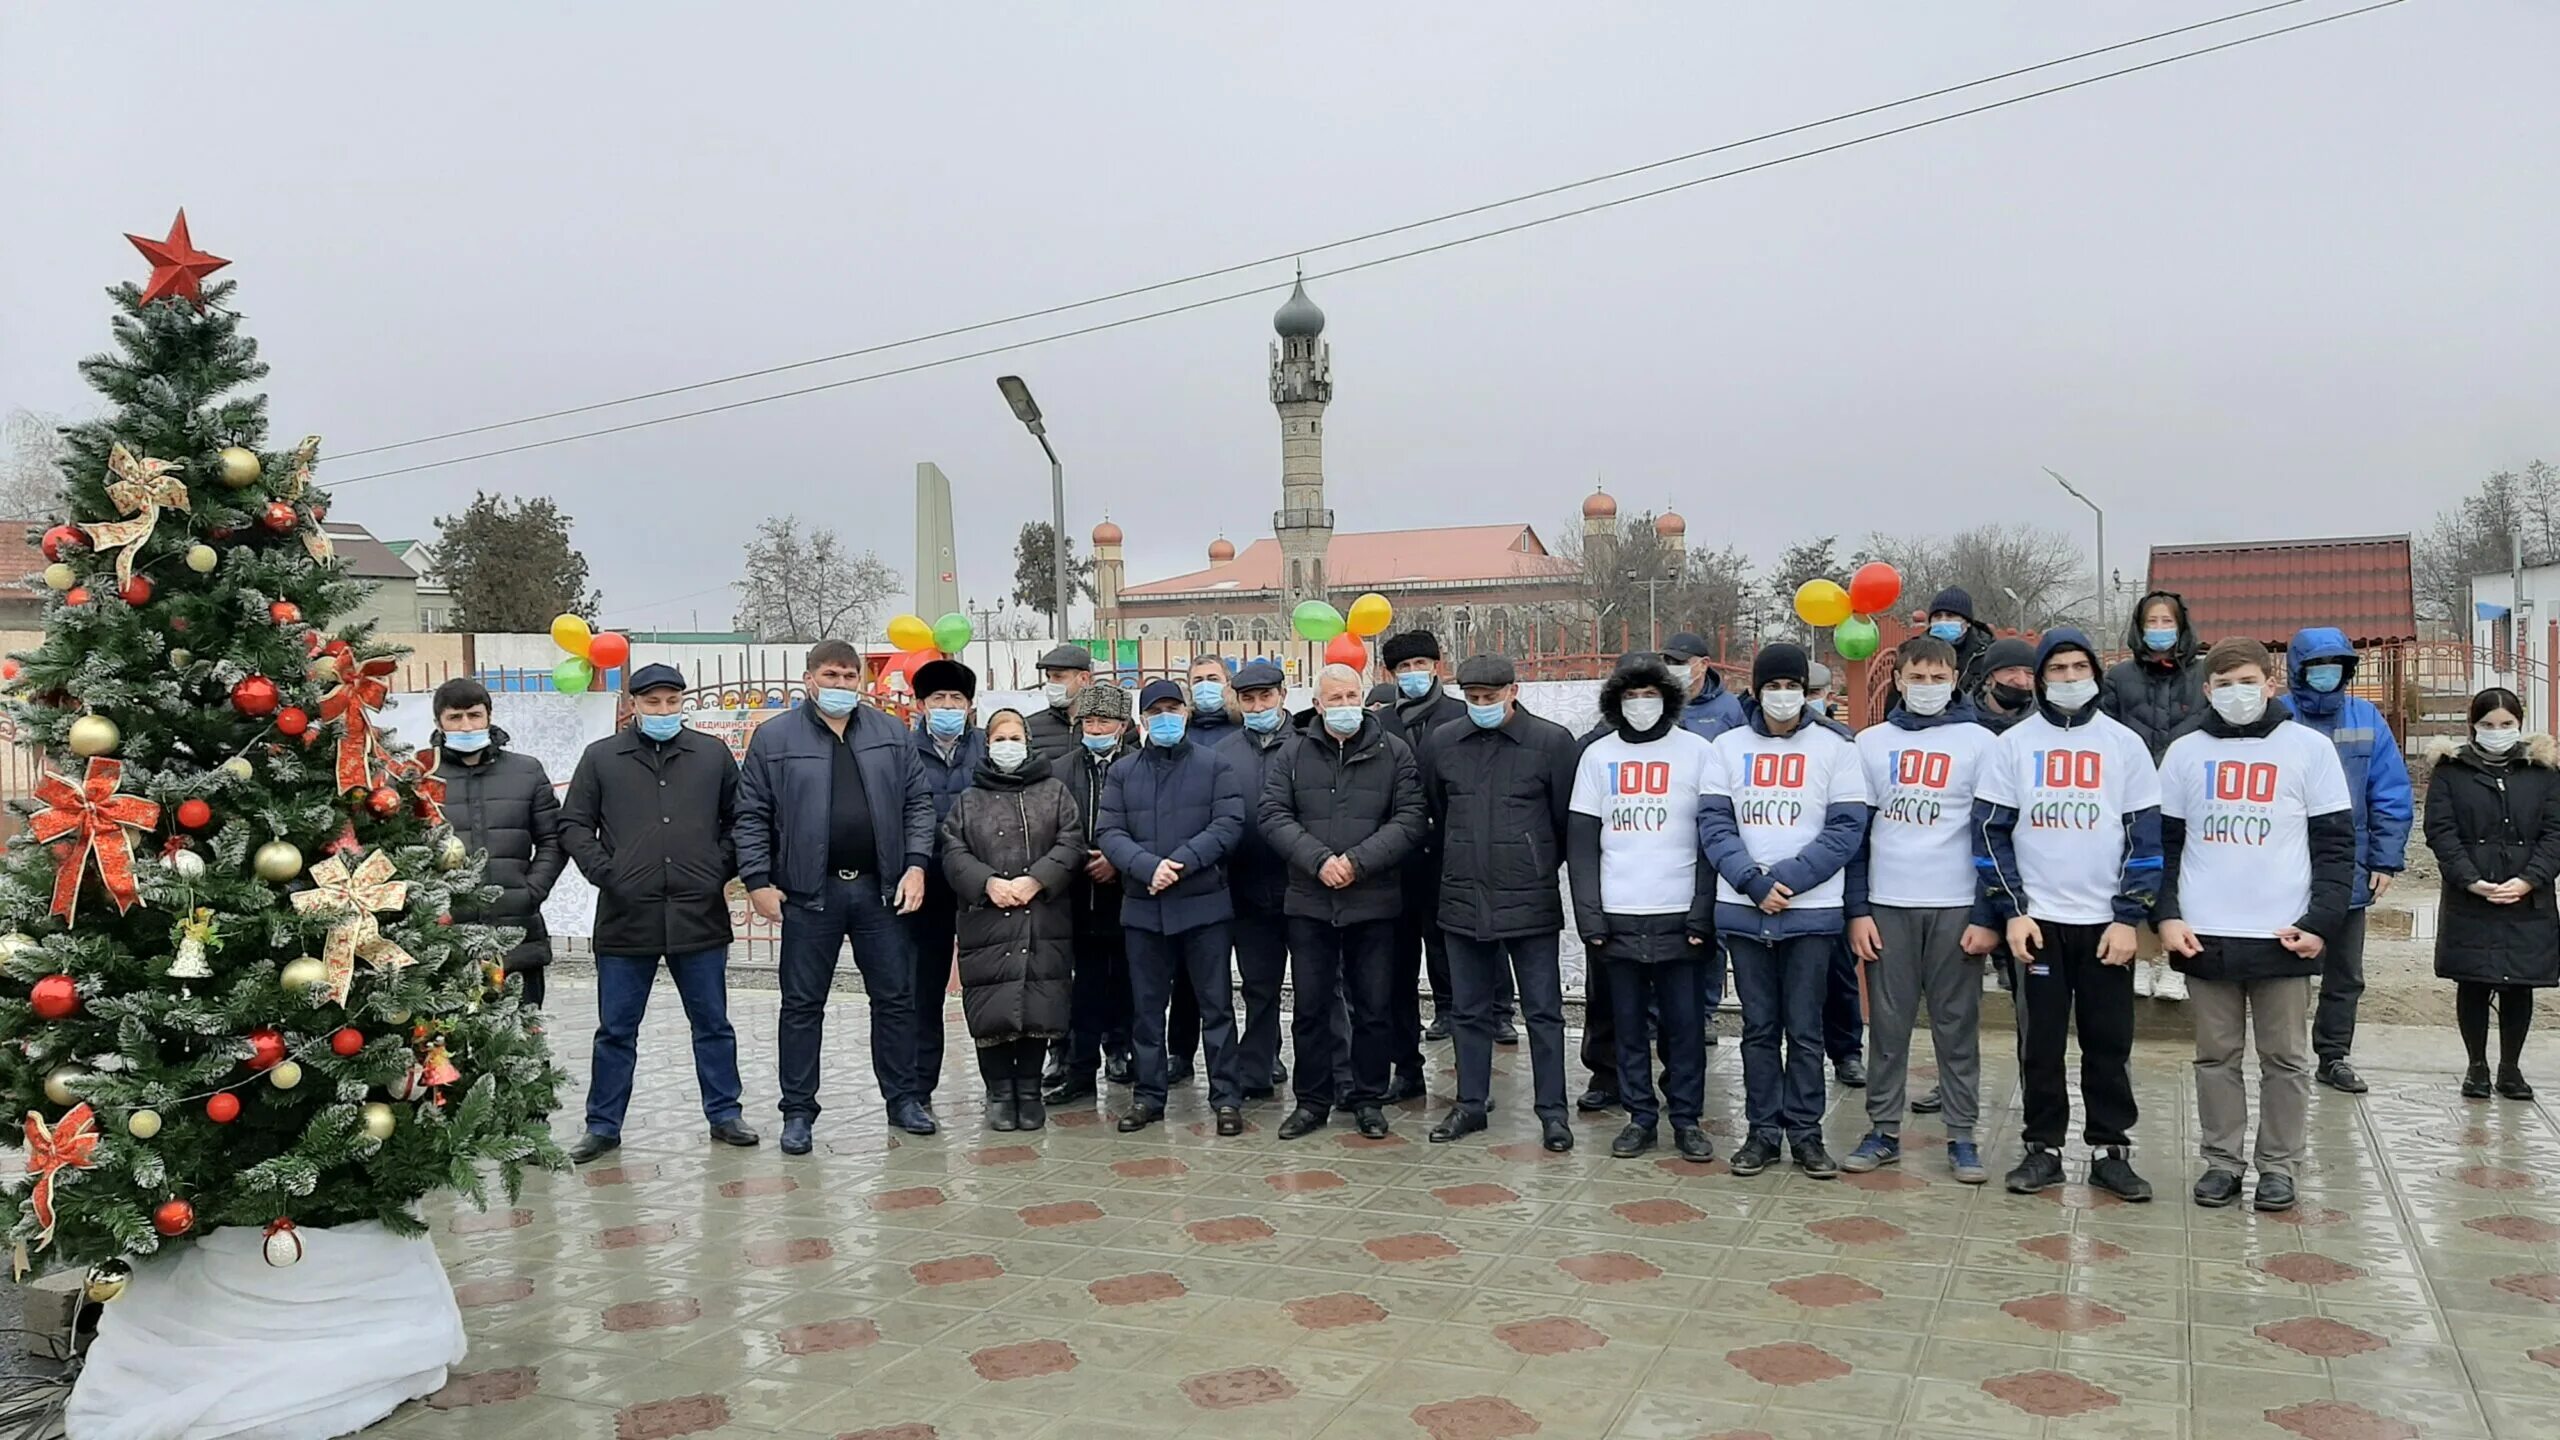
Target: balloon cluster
(917,642)
(1851,613)
(590,654)
(1341,634)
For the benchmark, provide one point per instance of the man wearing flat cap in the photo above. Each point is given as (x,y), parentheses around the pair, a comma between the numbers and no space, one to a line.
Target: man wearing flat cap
(1065,671)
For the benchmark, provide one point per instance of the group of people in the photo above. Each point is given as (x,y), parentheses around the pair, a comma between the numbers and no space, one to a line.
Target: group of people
(1109,870)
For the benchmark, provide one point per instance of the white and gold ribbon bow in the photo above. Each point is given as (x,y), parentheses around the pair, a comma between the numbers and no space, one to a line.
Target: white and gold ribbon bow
(142,487)
(353,897)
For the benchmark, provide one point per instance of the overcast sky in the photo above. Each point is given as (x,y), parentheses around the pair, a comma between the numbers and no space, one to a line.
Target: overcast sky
(2306,287)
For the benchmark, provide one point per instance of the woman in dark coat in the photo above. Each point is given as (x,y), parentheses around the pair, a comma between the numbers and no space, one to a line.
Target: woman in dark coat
(1010,847)
(2493,821)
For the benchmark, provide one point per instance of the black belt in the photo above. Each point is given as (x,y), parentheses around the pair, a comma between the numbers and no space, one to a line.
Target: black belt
(851,874)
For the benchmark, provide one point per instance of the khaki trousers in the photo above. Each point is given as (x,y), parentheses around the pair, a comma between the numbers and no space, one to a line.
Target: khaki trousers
(2226,1012)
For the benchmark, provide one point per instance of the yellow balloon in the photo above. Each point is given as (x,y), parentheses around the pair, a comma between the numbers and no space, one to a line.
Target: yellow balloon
(910,632)
(572,634)
(1821,603)
(1369,615)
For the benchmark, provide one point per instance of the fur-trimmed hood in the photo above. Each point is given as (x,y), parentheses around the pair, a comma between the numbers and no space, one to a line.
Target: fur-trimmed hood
(2538,750)
(1638,672)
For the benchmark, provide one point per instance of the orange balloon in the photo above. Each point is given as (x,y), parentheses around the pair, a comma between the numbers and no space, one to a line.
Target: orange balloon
(1346,649)
(1874,588)
(609,652)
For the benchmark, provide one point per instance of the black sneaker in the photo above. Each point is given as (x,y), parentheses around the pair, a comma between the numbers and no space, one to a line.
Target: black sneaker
(2340,1076)
(2218,1188)
(1693,1143)
(2039,1169)
(1756,1155)
(1633,1141)
(2275,1192)
(2113,1173)
(1815,1161)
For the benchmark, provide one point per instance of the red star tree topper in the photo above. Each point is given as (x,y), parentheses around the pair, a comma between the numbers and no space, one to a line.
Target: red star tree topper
(177,266)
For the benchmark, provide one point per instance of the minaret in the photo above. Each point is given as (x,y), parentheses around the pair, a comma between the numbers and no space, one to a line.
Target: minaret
(1108,576)
(1301,386)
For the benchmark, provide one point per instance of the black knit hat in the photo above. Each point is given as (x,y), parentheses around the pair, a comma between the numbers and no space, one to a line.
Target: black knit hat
(1781,661)
(1409,645)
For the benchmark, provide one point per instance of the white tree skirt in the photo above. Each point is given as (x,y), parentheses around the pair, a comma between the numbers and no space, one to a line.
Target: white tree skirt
(214,1342)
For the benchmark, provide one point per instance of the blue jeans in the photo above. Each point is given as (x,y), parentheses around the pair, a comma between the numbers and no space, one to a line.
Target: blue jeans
(1675,990)
(1781,985)
(812,936)
(1201,954)
(1844,1020)
(622,1000)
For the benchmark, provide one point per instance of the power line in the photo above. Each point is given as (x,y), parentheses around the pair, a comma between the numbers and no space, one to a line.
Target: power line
(1224,270)
(1099,327)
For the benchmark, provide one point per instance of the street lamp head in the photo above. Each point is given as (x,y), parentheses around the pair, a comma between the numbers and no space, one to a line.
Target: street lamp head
(1018,395)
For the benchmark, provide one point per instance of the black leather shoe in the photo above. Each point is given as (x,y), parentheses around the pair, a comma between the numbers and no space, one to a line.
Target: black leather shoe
(1506,1033)
(1931,1103)
(1595,1100)
(912,1117)
(1459,1123)
(1230,1121)
(2039,1169)
(1305,1120)
(2275,1192)
(2113,1173)
(1004,1113)
(1634,1141)
(2340,1076)
(1852,1072)
(1815,1161)
(730,1132)
(1693,1143)
(590,1145)
(1179,1071)
(1071,1090)
(1756,1155)
(1119,1070)
(2217,1188)
(1373,1122)
(1029,1109)
(1558,1137)
(2475,1083)
(1139,1118)
(796,1139)
(2511,1085)
(1438,1029)
(1279,1074)
(1408,1086)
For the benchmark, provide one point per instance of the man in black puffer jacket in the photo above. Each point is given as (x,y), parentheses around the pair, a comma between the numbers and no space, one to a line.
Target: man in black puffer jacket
(1420,706)
(502,804)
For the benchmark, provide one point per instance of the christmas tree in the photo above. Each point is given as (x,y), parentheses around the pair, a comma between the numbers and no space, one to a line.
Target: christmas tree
(233,990)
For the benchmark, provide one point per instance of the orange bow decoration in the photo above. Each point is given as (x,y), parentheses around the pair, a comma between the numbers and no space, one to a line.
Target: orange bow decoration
(428,787)
(361,689)
(92,817)
(69,1144)
(141,489)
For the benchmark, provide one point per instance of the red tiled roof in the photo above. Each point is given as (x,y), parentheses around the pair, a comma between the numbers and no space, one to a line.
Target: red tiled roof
(1382,560)
(21,551)
(2268,589)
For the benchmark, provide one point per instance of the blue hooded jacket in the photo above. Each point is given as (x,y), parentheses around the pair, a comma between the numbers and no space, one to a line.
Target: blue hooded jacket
(1714,711)
(2377,776)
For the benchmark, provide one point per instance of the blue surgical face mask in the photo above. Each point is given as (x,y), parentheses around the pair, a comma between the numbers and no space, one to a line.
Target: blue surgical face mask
(1950,631)
(2160,640)
(1343,720)
(2324,678)
(947,724)
(662,727)
(1416,683)
(1209,695)
(838,703)
(1262,722)
(1166,728)
(1486,717)
(1102,744)
(466,742)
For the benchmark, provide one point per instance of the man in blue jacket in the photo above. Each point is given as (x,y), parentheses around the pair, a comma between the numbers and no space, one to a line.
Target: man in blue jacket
(1171,815)
(835,831)
(948,749)
(1712,709)
(2319,664)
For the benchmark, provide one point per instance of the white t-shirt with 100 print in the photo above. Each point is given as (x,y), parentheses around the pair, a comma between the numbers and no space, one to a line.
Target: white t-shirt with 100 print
(2244,872)
(1647,799)
(1921,783)
(2072,790)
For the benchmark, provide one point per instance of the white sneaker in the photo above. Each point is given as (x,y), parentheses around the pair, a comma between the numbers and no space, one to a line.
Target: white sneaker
(2143,983)
(2170,985)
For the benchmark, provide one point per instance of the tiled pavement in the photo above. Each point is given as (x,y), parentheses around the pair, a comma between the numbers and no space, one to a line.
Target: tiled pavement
(1081,1283)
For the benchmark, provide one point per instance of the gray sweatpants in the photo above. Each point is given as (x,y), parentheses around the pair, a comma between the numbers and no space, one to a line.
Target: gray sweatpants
(1922,957)
(2225,1012)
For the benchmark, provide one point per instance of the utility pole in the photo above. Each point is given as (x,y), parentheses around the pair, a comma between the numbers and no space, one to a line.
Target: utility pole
(2101,567)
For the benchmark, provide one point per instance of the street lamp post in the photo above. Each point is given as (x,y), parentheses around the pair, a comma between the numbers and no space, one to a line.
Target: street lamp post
(1027,410)
(1652,604)
(2074,493)
(2018,606)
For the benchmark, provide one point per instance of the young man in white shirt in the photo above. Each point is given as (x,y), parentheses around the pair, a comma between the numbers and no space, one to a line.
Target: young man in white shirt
(2258,831)
(1921,928)
(2066,833)
(1784,809)
(1643,903)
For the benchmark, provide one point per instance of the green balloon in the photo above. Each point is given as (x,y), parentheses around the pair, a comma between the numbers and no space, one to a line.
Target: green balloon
(1855,638)
(572,676)
(951,633)
(1315,620)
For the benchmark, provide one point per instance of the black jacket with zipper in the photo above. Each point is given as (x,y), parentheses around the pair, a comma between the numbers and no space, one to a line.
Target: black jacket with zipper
(2497,820)
(651,826)
(1498,800)
(1360,799)
(502,804)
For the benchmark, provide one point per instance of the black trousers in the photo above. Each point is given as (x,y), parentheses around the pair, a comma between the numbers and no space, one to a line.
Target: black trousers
(933,927)
(1154,960)
(1326,963)
(2333,1024)
(1444,995)
(1844,1017)
(1262,964)
(1675,991)
(1099,1002)
(1479,967)
(2063,984)
(1012,1067)
(532,984)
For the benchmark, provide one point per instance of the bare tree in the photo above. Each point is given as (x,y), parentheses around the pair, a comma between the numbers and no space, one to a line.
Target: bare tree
(31,467)
(2477,535)
(805,586)
(1714,597)
(1805,560)
(1630,577)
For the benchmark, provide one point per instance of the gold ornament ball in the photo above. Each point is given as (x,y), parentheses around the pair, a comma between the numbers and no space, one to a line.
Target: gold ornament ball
(57,1085)
(95,735)
(239,467)
(379,1121)
(237,767)
(453,853)
(284,1074)
(324,669)
(202,558)
(278,861)
(107,1281)
(15,946)
(182,658)
(306,973)
(142,1124)
(59,577)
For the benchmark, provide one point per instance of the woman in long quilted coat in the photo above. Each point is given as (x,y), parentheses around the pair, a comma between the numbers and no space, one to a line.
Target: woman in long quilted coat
(1010,846)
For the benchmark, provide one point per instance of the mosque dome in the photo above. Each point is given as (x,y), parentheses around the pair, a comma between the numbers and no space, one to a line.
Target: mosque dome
(1106,533)
(1598,506)
(1298,318)
(1221,551)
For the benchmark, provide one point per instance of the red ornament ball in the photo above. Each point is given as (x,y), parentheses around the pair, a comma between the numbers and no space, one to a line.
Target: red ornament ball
(285,612)
(55,997)
(266,1048)
(256,695)
(176,1217)
(292,721)
(194,814)
(279,517)
(346,1042)
(137,591)
(8,669)
(444,919)
(384,802)
(64,540)
(76,595)
(222,1109)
